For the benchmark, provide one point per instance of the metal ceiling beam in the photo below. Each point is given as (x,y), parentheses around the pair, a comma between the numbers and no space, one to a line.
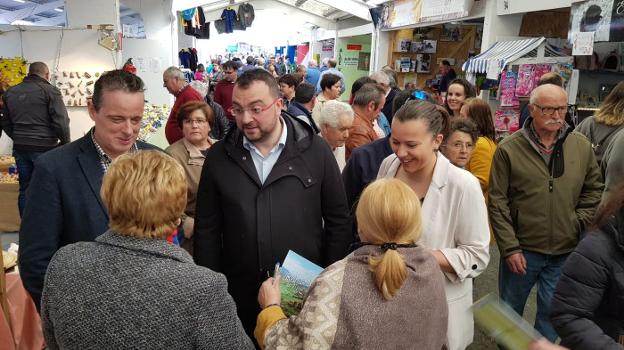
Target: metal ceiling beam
(52,21)
(330,13)
(221,5)
(34,9)
(354,7)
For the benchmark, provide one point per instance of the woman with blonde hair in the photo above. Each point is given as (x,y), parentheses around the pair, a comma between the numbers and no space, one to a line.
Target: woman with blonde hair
(455,222)
(601,128)
(387,294)
(131,288)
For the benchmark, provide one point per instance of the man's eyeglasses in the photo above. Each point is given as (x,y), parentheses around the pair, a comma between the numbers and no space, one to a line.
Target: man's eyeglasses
(255,110)
(548,111)
(419,95)
(229,71)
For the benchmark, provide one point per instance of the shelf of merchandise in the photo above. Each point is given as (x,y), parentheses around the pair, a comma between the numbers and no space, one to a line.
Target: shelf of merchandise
(458,50)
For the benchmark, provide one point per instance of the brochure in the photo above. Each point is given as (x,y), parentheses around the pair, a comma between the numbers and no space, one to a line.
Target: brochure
(503,324)
(297,273)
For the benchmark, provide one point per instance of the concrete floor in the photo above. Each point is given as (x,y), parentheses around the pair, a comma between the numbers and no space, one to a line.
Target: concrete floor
(487,283)
(483,285)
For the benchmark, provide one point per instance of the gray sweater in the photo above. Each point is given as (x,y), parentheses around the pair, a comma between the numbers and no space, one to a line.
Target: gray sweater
(128,293)
(612,166)
(600,135)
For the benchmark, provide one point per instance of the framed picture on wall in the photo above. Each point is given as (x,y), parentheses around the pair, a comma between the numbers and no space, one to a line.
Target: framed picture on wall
(417,46)
(429,46)
(364,61)
(423,63)
(451,32)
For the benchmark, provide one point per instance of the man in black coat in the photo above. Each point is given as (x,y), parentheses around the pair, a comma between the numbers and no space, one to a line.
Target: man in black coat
(303,104)
(63,200)
(35,118)
(270,186)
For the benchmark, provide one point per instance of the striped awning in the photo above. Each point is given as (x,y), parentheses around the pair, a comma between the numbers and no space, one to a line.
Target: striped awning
(500,54)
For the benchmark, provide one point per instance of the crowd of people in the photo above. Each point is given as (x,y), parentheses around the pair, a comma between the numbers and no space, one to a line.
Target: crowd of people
(396,194)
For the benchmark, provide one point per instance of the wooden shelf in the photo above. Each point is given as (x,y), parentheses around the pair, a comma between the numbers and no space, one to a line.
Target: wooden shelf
(458,50)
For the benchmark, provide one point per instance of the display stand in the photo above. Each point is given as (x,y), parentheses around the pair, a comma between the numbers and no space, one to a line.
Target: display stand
(517,66)
(420,64)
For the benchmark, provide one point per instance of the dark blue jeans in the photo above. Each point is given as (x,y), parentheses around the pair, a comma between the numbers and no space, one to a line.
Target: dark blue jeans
(543,270)
(24,161)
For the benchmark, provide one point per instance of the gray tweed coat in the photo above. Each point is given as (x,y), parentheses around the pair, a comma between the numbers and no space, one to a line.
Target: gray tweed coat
(128,293)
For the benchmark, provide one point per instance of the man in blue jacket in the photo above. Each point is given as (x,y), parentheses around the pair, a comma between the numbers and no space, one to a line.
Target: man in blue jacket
(63,201)
(303,103)
(313,73)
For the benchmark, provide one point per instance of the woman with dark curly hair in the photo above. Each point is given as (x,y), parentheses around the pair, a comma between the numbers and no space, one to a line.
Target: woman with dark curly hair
(330,90)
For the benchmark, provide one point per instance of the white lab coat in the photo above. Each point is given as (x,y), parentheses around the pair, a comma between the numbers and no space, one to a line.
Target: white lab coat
(455,222)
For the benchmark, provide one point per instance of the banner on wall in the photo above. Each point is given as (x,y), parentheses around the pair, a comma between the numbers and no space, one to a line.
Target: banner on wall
(509,7)
(327,50)
(302,51)
(439,10)
(604,17)
(348,58)
(402,13)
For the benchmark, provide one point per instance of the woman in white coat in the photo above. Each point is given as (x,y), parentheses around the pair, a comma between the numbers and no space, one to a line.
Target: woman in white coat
(454,214)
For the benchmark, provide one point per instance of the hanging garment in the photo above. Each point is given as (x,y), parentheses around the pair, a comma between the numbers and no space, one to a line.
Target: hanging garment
(188,14)
(185,58)
(246,15)
(188,28)
(220,26)
(238,25)
(193,60)
(191,25)
(229,16)
(203,29)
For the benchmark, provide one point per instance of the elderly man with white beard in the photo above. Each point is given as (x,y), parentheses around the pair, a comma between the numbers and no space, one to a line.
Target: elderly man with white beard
(544,187)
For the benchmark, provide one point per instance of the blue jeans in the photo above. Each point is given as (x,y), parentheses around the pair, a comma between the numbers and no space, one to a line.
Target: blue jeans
(543,270)
(24,161)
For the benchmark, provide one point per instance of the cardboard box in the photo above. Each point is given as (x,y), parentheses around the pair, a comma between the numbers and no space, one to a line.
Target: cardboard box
(5,162)
(9,213)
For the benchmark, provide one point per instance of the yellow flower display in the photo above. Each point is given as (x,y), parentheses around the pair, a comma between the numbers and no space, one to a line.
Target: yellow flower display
(13,70)
(154,117)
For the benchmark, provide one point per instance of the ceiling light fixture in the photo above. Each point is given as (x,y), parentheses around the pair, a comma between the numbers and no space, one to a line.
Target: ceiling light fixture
(58,9)
(20,1)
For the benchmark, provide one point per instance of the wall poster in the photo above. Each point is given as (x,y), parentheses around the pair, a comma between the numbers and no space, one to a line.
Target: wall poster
(604,17)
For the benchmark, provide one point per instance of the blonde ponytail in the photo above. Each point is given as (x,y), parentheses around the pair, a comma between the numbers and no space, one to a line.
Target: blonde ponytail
(388,213)
(389,272)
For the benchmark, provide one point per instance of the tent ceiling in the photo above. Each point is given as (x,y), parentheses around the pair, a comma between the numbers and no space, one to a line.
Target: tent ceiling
(51,12)
(47,12)
(329,9)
